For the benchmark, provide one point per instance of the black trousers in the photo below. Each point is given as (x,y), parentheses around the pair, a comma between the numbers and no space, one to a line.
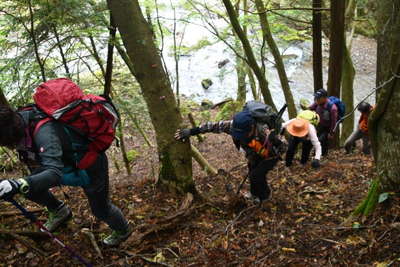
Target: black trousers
(292,148)
(258,170)
(323,133)
(97,193)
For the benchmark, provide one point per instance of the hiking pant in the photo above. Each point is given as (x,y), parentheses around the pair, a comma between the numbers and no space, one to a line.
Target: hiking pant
(97,193)
(258,169)
(323,133)
(292,148)
(357,135)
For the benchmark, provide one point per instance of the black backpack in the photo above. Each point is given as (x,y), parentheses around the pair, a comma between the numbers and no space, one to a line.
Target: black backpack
(262,113)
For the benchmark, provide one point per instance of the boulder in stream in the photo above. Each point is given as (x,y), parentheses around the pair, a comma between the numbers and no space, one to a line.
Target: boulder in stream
(206,83)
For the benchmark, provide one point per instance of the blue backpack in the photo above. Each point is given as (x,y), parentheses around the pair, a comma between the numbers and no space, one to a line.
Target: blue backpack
(339,104)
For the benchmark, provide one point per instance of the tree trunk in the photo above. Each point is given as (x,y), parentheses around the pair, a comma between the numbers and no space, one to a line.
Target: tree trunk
(3,99)
(175,157)
(123,148)
(336,48)
(317,46)
(251,60)
(34,41)
(110,56)
(384,121)
(62,54)
(240,64)
(347,93)
(277,57)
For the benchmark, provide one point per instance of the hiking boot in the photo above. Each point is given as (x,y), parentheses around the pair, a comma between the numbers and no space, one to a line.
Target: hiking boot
(58,217)
(117,237)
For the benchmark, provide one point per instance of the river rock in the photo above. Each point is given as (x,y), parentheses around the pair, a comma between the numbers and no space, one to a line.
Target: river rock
(206,83)
(206,104)
(223,63)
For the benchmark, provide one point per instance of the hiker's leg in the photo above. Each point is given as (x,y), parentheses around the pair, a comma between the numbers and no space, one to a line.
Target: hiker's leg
(46,199)
(323,133)
(366,144)
(305,153)
(258,181)
(351,140)
(98,196)
(293,142)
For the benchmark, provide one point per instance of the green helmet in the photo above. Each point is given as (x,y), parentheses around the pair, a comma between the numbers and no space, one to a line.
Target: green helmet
(310,116)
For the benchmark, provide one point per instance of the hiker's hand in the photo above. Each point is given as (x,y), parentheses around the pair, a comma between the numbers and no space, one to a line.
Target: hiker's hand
(315,164)
(8,188)
(182,134)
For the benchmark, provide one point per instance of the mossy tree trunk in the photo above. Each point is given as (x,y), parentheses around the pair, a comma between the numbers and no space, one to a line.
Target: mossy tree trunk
(251,59)
(174,157)
(347,93)
(317,46)
(240,64)
(348,74)
(384,122)
(277,57)
(336,51)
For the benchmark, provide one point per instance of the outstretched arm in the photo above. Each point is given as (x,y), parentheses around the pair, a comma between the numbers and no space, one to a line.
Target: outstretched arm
(208,127)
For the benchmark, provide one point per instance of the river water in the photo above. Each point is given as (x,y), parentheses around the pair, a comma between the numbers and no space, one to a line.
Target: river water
(203,64)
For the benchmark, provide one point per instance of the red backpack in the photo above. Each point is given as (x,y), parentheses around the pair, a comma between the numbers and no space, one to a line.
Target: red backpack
(93,117)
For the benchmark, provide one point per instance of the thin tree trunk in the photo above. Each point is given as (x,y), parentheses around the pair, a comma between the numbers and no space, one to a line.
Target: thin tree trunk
(193,123)
(251,60)
(336,49)
(110,56)
(62,54)
(174,156)
(123,149)
(347,93)
(252,83)
(348,76)
(3,99)
(96,55)
(203,162)
(240,68)
(35,44)
(277,57)
(317,46)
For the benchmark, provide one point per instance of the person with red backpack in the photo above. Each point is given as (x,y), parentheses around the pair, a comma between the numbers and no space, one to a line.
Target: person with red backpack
(362,130)
(329,114)
(254,130)
(65,147)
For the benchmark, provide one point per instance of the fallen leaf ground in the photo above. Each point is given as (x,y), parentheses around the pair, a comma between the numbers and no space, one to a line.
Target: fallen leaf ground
(301,225)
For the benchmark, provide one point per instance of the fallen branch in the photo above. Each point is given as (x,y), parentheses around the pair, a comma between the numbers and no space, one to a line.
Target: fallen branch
(92,239)
(12,213)
(26,243)
(24,233)
(202,161)
(235,221)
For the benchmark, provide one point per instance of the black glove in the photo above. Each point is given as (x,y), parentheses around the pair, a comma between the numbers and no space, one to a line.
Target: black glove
(315,163)
(10,187)
(182,134)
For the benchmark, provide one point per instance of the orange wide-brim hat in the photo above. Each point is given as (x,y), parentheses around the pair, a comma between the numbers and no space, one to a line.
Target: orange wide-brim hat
(298,127)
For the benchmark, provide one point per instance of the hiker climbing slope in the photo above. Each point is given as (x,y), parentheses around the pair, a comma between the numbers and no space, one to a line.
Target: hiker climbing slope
(252,130)
(52,150)
(362,130)
(302,130)
(328,113)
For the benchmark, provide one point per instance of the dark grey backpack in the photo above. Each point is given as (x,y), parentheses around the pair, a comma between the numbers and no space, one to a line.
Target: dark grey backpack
(261,112)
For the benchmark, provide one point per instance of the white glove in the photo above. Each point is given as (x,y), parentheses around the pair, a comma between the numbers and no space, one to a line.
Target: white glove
(8,188)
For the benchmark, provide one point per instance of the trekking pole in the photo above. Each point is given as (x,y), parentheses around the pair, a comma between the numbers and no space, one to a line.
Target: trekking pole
(33,219)
(372,91)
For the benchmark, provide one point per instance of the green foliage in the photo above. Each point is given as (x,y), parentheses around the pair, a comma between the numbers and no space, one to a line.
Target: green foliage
(228,110)
(199,45)
(132,155)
